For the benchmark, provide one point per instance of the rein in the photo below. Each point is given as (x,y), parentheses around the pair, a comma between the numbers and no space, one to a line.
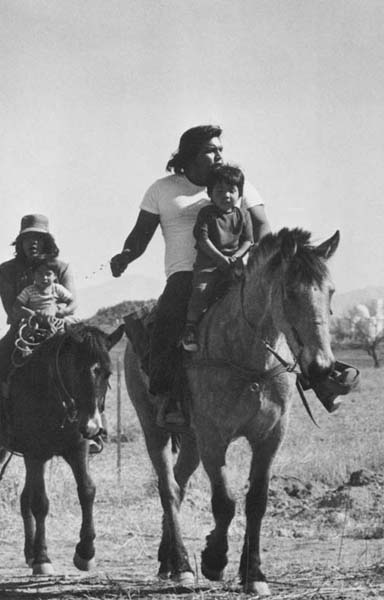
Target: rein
(287,367)
(66,399)
(255,377)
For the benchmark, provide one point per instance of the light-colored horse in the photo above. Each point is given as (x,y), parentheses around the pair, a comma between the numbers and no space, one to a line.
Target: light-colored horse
(239,388)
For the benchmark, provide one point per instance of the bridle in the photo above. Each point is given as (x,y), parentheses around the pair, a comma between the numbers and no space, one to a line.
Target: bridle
(67,401)
(285,365)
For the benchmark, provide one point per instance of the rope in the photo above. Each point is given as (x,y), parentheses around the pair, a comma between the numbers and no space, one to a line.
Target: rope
(31,334)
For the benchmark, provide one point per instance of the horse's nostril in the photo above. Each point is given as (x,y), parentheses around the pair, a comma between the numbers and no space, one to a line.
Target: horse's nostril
(317,373)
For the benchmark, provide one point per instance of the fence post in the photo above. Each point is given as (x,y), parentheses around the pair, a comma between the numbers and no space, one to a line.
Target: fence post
(118,419)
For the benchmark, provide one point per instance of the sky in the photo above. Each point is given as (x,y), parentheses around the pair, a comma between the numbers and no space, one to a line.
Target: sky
(95,94)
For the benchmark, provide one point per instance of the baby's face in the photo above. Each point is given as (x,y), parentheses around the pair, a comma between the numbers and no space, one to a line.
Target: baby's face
(225,196)
(44,277)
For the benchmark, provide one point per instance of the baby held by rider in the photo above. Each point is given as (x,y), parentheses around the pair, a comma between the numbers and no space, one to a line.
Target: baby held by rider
(45,296)
(223,234)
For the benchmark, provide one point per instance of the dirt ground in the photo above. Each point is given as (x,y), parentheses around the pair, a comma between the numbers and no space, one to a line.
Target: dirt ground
(320,541)
(317,544)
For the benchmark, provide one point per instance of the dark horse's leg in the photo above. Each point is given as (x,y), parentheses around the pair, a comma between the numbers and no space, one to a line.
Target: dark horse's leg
(77,458)
(214,556)
(251,575)
(187,462)
(34,509)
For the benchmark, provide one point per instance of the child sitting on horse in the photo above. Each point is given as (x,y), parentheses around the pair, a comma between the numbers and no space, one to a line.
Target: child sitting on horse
(223,234)
(45,296)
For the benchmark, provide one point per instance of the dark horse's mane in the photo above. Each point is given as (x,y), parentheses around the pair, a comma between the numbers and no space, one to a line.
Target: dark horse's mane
(294,245)
(90,341)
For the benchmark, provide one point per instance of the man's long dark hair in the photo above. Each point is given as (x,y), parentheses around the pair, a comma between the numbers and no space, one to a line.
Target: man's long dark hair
(190,144)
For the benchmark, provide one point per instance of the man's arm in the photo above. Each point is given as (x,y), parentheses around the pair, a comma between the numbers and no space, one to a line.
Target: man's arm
(136,243)
(259,222)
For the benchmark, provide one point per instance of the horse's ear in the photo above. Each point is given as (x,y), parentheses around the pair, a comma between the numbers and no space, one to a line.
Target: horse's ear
(329,247)
(115,336)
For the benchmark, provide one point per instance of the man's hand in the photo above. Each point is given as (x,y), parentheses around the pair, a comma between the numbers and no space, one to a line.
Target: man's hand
(119,263)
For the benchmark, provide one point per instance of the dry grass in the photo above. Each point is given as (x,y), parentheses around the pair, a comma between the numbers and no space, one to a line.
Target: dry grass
(308,552)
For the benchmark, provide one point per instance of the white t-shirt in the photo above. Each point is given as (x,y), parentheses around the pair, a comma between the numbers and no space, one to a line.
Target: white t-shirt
(177,201)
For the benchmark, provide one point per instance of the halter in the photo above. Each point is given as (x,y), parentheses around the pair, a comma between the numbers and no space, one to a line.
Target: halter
(67,401)
(286,366)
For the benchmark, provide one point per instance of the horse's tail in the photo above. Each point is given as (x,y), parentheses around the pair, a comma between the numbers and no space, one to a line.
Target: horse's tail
(176,442)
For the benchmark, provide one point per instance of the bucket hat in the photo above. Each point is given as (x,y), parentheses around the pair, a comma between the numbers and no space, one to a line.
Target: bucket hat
(36,223)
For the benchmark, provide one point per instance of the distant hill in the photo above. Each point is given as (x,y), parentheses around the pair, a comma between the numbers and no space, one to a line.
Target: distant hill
(110,293)
(136,291)
(347,300)
(108,318)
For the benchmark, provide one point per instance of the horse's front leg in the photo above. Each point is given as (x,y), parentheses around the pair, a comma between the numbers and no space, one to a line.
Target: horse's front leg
(34,509)
(173,555)
(187,462)
(214,556)
(251,575)
(77,458)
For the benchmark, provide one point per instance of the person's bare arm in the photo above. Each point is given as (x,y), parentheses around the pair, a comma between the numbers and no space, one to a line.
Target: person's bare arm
(68,308)
(136,243)
(259,222)
(19,311)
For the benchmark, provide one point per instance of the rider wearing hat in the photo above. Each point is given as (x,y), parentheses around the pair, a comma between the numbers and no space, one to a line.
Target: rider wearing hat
(33,243)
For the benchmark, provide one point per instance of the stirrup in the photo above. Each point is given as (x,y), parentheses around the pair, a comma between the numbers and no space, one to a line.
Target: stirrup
(189,339)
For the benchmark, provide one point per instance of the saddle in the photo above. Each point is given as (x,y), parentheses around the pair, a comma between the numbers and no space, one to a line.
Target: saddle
(138,327)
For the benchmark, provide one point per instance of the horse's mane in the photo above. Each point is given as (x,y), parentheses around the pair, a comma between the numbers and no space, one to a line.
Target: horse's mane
(90,341)
(304,265)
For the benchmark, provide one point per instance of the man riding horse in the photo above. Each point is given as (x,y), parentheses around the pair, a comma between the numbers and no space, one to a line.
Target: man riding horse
(174,202)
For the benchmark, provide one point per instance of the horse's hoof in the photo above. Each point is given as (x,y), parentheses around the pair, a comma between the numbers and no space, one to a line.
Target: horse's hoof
(164,575)
(42,569)
(185,579)
(257,588)
(84,564)
(212,574)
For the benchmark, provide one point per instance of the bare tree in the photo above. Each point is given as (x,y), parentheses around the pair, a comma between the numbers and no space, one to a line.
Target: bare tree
(362,327)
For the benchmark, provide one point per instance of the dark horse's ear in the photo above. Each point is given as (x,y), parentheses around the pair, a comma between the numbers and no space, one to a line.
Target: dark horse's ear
(329,247)
(115,336)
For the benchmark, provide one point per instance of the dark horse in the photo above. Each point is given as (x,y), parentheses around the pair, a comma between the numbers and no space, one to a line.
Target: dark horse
(239,388)
(54,405)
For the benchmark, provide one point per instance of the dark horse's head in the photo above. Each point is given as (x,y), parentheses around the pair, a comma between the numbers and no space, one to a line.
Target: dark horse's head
(78,367)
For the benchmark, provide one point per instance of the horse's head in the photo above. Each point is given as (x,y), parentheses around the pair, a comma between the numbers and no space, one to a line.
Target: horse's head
(300,297)
(83,368)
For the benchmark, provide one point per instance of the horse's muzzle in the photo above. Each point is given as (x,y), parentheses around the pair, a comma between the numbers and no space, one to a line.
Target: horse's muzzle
(317,373)
(93,426)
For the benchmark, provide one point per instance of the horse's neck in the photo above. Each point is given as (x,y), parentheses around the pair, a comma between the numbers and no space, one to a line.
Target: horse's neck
(238,326)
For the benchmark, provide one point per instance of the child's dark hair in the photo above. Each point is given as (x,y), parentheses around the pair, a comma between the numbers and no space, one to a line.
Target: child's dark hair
(229,174)
(48,262)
